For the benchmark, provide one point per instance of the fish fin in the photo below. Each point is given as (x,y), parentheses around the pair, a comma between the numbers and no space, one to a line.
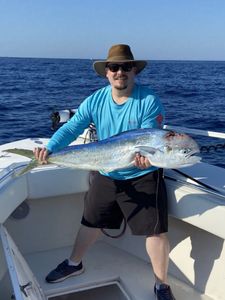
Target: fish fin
(23,152)
(145,150)
(27,153)
(31,165)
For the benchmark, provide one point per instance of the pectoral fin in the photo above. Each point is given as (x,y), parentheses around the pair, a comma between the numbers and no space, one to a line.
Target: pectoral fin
(145,150)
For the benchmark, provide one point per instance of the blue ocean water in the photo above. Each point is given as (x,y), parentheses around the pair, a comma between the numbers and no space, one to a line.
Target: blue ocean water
(193,93)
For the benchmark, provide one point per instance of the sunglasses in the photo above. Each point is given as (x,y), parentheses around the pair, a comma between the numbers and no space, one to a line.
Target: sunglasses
(126,67)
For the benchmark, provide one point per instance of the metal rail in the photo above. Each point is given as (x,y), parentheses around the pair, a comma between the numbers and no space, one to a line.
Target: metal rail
(10,171)
(198,187)
(213,134)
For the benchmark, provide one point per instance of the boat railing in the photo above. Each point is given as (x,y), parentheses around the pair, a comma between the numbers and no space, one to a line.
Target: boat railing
(63,116)
(11,171)
(201,132)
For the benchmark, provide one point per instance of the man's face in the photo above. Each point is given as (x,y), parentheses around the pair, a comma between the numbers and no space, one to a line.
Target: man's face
(120,75)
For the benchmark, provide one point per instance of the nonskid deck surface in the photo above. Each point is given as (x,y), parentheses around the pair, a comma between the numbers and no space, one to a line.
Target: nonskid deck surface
(104,263)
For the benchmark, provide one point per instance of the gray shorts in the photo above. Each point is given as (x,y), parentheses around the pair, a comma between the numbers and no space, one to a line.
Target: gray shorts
(142,201)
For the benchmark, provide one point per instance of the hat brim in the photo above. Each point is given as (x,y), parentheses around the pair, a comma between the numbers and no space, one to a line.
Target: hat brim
(99,65)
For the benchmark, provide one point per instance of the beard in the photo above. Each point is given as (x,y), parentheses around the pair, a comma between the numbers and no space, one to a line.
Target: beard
(121,83)
(121,88)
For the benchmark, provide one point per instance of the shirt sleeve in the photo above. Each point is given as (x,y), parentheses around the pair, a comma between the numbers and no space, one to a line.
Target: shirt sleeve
(154,115)
(72,129)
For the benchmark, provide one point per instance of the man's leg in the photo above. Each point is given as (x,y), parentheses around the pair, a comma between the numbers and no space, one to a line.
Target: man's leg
(85,238)
(158,248)
(99,211)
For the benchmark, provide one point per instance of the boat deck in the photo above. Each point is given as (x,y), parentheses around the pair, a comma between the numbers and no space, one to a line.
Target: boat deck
(104,264)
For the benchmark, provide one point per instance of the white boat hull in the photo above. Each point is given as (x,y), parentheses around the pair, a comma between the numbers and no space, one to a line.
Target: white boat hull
(44,232)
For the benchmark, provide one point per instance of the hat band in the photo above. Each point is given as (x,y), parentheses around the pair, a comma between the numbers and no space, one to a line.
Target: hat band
(119,58)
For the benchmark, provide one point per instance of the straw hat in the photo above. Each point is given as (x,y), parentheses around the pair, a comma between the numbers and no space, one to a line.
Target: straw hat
(118,53)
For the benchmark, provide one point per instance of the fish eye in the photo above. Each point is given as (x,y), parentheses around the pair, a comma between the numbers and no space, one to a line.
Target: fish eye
(186,151)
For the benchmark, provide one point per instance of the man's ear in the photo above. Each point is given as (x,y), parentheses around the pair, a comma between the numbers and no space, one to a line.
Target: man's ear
(106,75)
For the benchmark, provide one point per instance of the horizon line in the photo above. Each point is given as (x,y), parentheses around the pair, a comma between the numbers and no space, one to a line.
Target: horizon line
(95,59)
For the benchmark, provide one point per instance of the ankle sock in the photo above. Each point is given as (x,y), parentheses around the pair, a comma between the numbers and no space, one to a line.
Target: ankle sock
(73,263)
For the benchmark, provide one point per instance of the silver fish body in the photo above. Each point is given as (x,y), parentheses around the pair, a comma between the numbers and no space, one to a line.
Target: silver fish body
(164,149)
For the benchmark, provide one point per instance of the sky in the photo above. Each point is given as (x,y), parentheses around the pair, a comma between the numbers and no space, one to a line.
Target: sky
(155,29)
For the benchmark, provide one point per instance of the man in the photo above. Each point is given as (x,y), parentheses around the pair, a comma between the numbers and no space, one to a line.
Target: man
(137,193)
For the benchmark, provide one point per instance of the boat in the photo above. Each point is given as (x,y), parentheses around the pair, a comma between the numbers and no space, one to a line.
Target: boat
(40,215)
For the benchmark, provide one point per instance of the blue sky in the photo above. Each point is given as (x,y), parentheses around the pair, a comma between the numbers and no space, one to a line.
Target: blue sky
(159,29)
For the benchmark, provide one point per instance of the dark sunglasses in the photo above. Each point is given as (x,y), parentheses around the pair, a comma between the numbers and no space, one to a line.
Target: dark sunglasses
(126,67)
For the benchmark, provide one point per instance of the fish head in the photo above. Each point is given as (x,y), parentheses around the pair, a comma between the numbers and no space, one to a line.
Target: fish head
(178,150)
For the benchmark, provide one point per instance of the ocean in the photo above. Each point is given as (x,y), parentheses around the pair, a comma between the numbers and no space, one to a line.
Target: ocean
(193,94)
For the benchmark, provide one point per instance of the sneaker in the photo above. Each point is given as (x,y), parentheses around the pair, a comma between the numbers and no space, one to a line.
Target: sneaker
(63,271)
(164,292)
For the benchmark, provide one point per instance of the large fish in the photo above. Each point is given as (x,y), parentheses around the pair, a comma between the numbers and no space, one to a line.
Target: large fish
(163,148)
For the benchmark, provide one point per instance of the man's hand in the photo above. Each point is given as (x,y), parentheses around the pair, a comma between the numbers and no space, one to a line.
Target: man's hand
(141,162)
(41,154)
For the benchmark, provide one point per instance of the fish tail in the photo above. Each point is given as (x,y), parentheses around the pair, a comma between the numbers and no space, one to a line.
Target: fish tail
(33,164)
(23,152)
(27,153)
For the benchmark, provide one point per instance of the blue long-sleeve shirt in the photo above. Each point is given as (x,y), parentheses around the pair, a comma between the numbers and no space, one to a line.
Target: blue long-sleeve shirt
(141,110)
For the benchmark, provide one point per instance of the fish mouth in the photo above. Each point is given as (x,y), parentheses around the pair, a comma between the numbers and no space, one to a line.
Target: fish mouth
(192,153)
(192,157)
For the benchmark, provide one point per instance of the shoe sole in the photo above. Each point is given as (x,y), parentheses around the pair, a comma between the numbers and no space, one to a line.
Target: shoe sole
(70,275)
